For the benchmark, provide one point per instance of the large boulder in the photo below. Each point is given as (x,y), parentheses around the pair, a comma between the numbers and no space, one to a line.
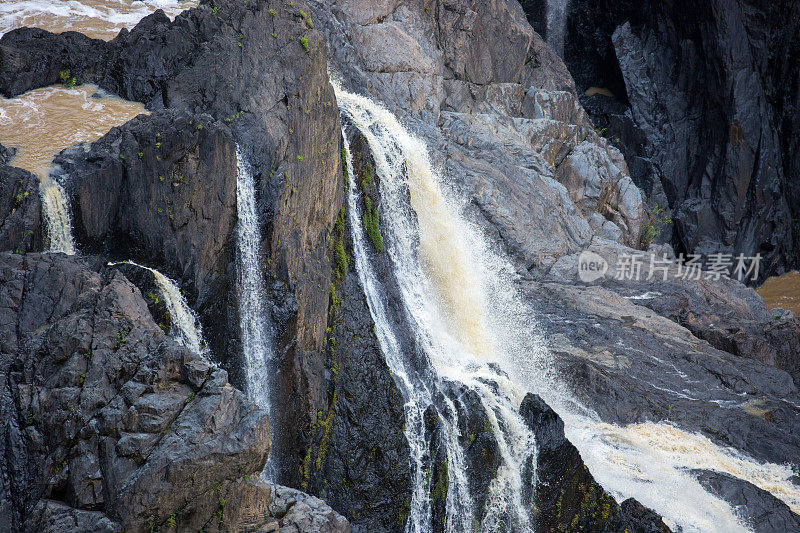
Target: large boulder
(110,425)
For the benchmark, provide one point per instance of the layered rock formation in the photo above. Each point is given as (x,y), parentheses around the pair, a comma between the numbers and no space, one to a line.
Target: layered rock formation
(109,425)
(703,101)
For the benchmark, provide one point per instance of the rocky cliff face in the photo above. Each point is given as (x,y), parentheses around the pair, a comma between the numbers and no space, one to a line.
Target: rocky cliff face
(259,71)
(703,98)
(109,425)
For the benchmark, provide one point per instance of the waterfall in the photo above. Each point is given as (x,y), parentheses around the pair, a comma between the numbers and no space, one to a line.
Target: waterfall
(185,326)
(443,302)
(557,25)
(252,319)
(460,299)
(58,221)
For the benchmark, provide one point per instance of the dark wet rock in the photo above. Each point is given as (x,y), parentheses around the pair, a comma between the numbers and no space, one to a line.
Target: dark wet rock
(265,77)
(6,154)
(714,83)
(357,455)
(761,510)
(20,210)
(566,496)
(161,190)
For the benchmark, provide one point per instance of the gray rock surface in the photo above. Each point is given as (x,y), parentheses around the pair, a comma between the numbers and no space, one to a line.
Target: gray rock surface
(20,210)
(109,425)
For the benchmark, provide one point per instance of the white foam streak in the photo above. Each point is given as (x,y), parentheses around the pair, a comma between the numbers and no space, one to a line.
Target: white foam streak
(185,327)
(256,342)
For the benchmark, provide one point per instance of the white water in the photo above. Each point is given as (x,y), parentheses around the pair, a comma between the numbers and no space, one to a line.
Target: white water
(252,319)
(452,353)
(185,327)
(459,279)
(57,217)
(101,19)
(557,24)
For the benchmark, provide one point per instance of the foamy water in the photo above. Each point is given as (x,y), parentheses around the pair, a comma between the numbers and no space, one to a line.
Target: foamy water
(100,19)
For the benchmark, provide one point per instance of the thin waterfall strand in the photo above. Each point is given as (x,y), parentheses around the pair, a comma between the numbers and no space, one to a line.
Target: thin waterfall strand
(185,326)
(58,221)
(252,319)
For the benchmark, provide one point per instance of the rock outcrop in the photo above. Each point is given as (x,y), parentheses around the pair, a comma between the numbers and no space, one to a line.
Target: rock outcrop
(566,497)
(703,98)
(110,425)
(20,210)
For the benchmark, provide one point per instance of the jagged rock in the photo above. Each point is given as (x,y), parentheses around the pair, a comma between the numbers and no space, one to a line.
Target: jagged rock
(102,411)
(713,122)
(109,425)
(566,496)
(20,210)
(161,190)
(265,76)
(762,510)
(6,154)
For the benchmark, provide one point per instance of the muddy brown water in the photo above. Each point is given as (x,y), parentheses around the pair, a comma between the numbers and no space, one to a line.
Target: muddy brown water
(782,291)
(42,122)
(100,19)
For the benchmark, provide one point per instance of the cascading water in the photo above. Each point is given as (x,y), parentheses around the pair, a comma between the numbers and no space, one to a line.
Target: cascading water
(58,221)
(457,280)
(556,17)
(252,322)
(185,326)
(449,329)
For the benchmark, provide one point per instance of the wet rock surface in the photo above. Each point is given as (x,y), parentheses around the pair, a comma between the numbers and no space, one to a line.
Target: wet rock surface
(763,511)
(566,497)
(700,99)
(20,210)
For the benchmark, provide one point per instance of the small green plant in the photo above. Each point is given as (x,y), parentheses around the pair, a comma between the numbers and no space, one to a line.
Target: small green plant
(171,520)
(304,42)
(67,79)
(189,398)
(303,14)
(214,9)
(299,157)
(272,12)
(366,176)
(371,220)
(20,197)
(199,126)
(339,254)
